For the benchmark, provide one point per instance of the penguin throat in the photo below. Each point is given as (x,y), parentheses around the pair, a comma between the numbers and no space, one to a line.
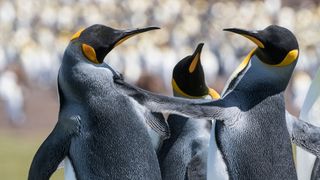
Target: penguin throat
(178,92)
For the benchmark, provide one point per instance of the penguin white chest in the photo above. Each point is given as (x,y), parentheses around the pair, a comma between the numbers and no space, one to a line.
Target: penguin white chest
(216,167)
(68,170)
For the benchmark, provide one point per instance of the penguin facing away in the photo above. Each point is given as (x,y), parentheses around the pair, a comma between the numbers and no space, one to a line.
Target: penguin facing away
(251,127)
(98,129)
(184,154)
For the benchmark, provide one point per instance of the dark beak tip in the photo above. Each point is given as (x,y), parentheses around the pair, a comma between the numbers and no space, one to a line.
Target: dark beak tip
(150,28)
(155,27)
(201,44)
(199,48)
(232,30)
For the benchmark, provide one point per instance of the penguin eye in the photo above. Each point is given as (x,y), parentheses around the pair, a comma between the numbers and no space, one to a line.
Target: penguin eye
(89,53)
(290,57)
(76,35)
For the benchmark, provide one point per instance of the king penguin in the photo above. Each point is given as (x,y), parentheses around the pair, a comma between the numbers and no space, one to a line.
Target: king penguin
(184,154)
(251,118)
(98,129)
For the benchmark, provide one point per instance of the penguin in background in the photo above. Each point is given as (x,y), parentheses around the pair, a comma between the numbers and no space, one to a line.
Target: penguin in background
(251,117)
(184,154)
(308,166)
(100,130)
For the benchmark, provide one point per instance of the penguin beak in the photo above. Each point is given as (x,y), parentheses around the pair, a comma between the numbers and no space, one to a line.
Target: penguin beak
(129,33)
(254,36)
(195,58)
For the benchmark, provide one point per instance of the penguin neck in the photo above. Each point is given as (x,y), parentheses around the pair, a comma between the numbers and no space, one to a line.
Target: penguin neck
(178,94)
(260,78)
(76,72)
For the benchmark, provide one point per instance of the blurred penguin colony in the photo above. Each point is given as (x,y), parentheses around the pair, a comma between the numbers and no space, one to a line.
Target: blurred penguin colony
(35,33)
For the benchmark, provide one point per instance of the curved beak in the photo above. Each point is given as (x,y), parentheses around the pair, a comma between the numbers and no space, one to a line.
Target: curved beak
(254,36)
(129,33)
(196,58)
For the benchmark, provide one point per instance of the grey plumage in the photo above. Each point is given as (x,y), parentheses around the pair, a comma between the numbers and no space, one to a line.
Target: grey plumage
(251,127)
(315,175)
(99,129)
(304,134)
(251,150)
(184,155)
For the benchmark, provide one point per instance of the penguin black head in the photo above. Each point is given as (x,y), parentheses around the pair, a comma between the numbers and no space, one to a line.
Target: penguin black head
(188,77)
(98,40)
(277,46)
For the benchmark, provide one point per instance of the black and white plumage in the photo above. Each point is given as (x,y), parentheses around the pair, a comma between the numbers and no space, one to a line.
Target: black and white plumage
(100,130)
(251,125)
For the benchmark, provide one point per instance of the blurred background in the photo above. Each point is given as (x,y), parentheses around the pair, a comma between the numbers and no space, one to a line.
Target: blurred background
(34,34)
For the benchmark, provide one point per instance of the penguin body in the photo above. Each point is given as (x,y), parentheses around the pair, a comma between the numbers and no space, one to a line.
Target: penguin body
(98,129)
(251,124)
(184,154)
(216,165)
(69,173)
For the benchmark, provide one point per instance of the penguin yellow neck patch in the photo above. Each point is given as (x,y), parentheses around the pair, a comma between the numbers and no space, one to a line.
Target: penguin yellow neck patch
(90,53)
(194,63)
(213,93)
(244,63)
(255,40)
(76,35)
(180,92)
(290,57)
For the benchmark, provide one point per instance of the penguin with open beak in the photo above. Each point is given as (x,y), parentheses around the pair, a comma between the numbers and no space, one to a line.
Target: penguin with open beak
(99,129)
(251,117)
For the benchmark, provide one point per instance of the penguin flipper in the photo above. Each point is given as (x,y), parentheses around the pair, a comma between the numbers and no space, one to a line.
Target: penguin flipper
(197,167)
(54,149)
(303,134)
(315,175)
(158,123)
(194,108)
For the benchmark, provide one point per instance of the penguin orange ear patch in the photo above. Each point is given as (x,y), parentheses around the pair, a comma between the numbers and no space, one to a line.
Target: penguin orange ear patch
(90,53)
(76,35)
(213,93)
(291,56)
